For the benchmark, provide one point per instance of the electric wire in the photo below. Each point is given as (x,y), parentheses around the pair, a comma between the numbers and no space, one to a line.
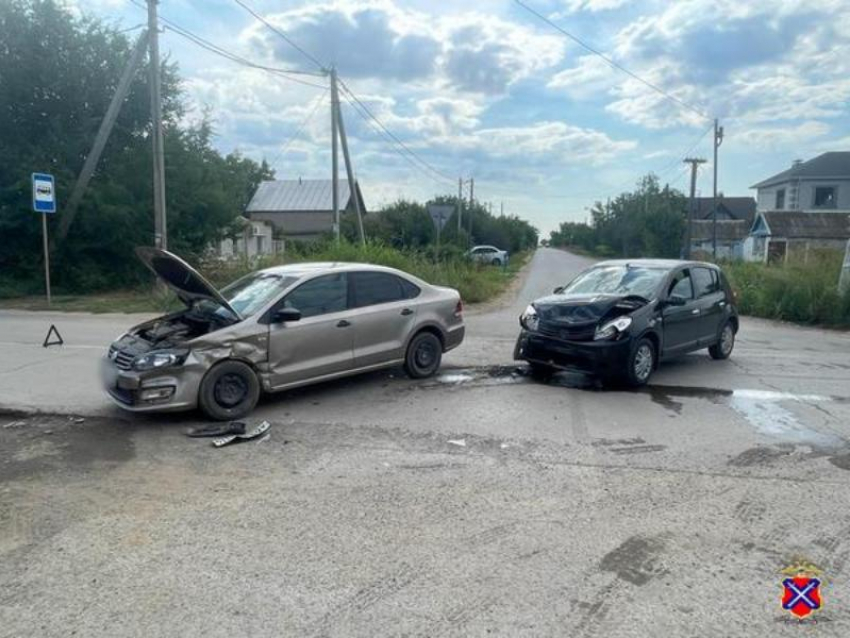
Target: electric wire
(283,35)
(612,62)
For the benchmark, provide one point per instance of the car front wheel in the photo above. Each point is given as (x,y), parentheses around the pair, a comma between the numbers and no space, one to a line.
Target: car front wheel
(723,348)
(641,363)
(424,355)
(229,391)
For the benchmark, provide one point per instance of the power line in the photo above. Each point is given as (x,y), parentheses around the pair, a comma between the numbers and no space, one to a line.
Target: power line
(612,63)
(350,96)
(233,57)
(283,35)
(312,113)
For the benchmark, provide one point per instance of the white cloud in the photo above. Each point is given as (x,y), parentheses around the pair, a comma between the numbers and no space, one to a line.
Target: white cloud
(780,137)
(595,6)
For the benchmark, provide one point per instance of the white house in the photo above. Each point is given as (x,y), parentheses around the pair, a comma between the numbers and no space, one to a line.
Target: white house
(255,240)
(821,184)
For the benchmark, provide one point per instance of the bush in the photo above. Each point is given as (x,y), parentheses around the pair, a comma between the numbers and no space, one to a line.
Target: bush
(801,292)
(475,282)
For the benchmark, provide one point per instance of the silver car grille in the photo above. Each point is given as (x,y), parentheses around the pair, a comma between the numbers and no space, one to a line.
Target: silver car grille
(122,360)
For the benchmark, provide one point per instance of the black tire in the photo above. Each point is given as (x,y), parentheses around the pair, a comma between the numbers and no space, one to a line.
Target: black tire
(229,391)
(641,363)
(725,343)
(424,354)
(540,371)
(496,262)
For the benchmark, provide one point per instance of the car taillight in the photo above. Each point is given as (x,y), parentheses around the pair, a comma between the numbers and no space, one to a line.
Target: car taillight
(459,308)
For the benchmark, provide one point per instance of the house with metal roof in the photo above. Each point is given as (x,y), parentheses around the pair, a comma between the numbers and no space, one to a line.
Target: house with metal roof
(820,184)
(301,208)
(780,235)
(735,216)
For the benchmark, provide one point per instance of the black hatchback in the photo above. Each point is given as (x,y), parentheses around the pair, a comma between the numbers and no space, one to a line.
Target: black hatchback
(618,319)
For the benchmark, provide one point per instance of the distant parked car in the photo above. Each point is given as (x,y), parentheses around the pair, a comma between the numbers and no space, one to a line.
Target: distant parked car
(489,255)
(276,329)
(618,319)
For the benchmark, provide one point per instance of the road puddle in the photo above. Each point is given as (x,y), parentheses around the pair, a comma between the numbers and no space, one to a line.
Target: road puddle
(766,410)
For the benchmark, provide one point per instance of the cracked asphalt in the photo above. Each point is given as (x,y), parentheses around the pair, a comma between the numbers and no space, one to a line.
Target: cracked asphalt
(479,502)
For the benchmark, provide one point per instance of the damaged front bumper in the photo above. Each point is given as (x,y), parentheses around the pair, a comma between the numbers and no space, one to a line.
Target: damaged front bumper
(169,389)
(601,358)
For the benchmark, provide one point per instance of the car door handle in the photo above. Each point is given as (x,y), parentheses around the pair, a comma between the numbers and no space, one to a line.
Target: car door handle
(406,312)
(695,311)
(342,323)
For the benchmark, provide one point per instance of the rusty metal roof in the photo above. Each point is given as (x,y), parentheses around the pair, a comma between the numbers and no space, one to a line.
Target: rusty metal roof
(801,225)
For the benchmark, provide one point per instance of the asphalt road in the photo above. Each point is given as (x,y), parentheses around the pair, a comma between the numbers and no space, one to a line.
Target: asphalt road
(475,503)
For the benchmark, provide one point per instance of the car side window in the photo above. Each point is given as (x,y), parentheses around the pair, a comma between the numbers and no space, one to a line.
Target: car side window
(681,286)
(705,281)
(319,296)
(372,288)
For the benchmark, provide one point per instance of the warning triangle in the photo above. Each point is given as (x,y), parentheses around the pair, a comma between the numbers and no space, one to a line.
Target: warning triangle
(48,342)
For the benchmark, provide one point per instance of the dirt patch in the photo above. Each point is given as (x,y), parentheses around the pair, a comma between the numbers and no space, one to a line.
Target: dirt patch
(758,456)
(841,461)
(41,443)
(637,560)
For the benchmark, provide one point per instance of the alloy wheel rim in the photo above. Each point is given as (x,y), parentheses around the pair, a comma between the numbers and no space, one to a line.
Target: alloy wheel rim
(643,362)
(726,340)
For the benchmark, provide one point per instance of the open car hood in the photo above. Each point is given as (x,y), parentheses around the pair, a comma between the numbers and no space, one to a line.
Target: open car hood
(184,280)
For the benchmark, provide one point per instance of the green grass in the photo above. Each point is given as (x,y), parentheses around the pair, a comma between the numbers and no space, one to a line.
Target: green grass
(805,293)
(476,283)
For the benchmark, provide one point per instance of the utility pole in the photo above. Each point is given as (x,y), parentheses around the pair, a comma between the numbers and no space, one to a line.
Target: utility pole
(694,162)
(501,209)
(471,207)
(459,204)
(160,226)
(718,140)
(335,150)
(352,185)
(102,135)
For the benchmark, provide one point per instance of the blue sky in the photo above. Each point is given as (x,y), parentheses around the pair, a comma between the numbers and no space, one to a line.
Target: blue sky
(484,89)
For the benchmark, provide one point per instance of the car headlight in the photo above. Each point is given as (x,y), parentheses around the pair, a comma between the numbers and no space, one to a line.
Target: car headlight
(529,319)
(613,328)
(154,360)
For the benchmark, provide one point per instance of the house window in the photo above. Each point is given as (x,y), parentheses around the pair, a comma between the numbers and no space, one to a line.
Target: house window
(780,199)
(824,197)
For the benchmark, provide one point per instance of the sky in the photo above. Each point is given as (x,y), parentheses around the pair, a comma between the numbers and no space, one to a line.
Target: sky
(484,89)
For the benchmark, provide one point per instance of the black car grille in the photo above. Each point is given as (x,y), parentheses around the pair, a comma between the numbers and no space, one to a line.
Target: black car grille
(122,360)
(583,332)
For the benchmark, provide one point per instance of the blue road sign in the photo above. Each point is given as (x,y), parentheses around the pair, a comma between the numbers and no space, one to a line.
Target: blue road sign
(43,193)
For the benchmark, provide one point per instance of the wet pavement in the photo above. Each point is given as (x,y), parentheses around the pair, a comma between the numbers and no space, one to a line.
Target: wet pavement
(479,502)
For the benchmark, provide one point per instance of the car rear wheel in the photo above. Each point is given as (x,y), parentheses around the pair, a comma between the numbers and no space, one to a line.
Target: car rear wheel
(723,348)
(641,363)
(424,355)
(229,391)
(497,262)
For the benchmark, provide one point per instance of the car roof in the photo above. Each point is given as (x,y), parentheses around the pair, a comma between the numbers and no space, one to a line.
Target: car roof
(303,269)
(668,264)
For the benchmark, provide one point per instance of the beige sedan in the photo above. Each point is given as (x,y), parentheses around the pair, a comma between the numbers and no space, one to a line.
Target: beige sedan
(276,329)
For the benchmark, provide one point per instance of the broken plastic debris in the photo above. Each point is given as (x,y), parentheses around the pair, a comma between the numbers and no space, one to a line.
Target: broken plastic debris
(261,429)
(14,424)
(217,429)
(460,442)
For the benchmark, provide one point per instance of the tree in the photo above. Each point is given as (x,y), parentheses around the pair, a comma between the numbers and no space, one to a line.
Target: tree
(58,74)
(648,222)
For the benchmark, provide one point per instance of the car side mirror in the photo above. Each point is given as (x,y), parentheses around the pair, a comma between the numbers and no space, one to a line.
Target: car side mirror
(283,315)
(674,300)
(558,290)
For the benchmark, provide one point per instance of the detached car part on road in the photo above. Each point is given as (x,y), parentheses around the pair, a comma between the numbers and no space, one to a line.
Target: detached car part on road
(277,329)
(618,319)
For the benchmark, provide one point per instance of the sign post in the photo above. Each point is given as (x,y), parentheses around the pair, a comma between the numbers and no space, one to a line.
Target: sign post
(44,202)
(440,214)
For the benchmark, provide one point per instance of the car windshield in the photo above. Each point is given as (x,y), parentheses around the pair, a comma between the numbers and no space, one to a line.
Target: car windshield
(617,280)
(253,292)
